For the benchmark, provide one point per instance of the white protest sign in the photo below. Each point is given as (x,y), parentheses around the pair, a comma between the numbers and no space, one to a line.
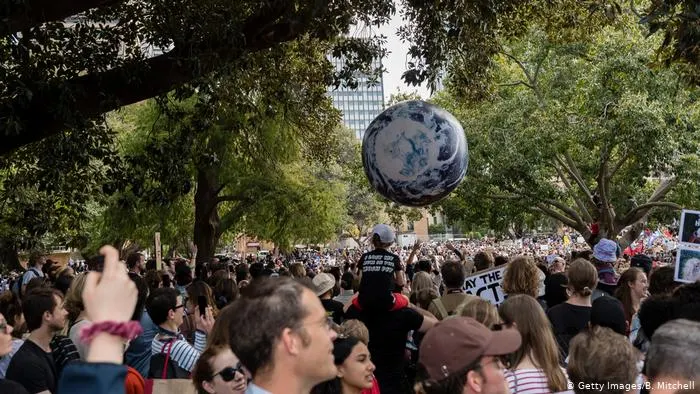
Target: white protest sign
(487,284)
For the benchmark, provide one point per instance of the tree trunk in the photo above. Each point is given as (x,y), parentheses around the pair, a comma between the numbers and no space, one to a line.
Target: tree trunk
(8,256)
(207,225)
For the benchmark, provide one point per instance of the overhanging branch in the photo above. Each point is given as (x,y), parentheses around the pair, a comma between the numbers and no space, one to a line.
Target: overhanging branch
(93,94)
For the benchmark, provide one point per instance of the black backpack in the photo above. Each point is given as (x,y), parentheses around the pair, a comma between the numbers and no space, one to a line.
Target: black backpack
(162,366)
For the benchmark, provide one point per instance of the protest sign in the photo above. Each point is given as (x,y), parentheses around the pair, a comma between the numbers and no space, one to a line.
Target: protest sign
(690,227)
(487,284)
(687,268)
(159,261)
(687,265)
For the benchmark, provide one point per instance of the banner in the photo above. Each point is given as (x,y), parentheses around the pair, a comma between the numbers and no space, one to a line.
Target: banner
(487,284)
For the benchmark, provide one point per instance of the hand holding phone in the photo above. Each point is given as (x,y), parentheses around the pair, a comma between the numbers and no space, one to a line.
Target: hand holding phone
(202,301)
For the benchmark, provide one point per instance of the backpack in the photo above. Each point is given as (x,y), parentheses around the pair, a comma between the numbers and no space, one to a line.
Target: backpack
(441,308)
(17,286)
(161,363)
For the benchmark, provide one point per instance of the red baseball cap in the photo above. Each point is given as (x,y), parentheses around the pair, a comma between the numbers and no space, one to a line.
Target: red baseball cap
(456,342)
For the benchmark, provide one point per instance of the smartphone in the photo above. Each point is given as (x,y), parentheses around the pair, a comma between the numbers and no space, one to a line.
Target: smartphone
(202,301)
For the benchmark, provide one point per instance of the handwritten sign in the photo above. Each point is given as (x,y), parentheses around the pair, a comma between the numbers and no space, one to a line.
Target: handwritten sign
(159,260)
(487,284)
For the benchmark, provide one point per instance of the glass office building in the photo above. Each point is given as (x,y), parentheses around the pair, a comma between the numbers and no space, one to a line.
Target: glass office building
(359,106)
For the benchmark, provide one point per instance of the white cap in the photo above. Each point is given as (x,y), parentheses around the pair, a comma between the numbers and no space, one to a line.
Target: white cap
(385,233)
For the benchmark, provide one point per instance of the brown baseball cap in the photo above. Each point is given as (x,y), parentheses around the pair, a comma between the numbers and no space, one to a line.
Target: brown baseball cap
(456,342)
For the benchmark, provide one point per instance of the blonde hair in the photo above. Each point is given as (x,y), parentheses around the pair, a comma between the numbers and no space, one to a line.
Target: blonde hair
(521,277)
(600,355)
(355,328)
(74,297)
(538,338)
(480,310)
(421,281)
(583,277)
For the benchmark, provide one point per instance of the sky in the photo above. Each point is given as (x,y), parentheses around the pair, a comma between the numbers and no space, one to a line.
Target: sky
(395,62)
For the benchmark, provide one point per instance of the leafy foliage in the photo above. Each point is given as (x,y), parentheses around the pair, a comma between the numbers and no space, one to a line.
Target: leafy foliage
(581,132)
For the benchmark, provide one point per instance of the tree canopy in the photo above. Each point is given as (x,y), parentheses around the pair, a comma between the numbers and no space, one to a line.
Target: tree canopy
(67,63)
(584,133)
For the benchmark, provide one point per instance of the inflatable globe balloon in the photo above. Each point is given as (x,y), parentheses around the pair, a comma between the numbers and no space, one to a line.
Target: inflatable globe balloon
(415,153)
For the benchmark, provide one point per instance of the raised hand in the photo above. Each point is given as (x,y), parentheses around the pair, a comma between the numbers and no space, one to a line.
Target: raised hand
(110,295)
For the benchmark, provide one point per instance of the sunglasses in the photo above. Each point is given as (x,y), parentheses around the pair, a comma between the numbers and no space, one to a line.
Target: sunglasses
(229,373)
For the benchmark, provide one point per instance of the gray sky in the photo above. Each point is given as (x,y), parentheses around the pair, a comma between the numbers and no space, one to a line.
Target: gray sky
(395,62)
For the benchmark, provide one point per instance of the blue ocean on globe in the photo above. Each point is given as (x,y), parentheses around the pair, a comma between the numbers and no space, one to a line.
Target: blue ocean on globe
(415,153)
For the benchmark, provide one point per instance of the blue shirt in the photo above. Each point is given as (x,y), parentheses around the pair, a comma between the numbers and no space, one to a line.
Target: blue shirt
(253,389)
(138,355)
(103,378)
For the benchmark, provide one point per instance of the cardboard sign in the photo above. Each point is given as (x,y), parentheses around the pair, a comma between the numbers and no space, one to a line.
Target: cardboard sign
(487,284)
(159,260)
(687,265)
(687,268)
(690,227)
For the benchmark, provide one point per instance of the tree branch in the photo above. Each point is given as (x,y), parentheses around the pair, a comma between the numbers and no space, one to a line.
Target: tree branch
(29,13)
(603,191)
(221,199)
(586,214)
(562,207)
(619,164)
(235,214)
(519,63)
(510,84)
(556,215)
(638,213)
(93,94)
(572,170)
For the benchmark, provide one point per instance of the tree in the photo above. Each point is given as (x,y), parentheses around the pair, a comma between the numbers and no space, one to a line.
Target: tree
(247,143)
(47,188)
(364,208)
(67,63)
(583,133)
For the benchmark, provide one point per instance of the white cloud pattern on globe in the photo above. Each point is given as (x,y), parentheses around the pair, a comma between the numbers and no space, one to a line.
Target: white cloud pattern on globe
(415,153)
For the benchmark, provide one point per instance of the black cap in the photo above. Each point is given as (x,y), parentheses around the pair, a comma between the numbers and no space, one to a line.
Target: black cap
(642,261)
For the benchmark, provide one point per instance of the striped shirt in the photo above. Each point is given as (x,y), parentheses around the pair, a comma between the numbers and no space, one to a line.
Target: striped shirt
(182,353)
(527,381)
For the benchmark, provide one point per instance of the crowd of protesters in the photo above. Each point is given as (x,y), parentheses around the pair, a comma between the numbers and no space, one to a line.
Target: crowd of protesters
(385,320)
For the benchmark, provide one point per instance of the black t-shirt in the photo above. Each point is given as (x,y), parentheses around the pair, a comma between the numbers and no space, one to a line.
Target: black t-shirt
(11,387)
(377,283)
(388,332)
(334,309)
(567,321)
(33,368)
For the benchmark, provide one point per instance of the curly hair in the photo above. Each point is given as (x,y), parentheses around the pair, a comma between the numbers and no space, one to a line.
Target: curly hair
(521,277)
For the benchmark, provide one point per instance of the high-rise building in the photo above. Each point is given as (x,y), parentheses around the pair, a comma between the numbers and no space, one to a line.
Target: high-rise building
(361,105)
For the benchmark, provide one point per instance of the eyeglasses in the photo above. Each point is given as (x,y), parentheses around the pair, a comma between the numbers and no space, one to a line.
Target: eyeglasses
(229,373)
(179,306)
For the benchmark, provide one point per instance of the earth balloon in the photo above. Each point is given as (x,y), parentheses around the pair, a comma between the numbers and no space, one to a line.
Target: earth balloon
(415,153)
